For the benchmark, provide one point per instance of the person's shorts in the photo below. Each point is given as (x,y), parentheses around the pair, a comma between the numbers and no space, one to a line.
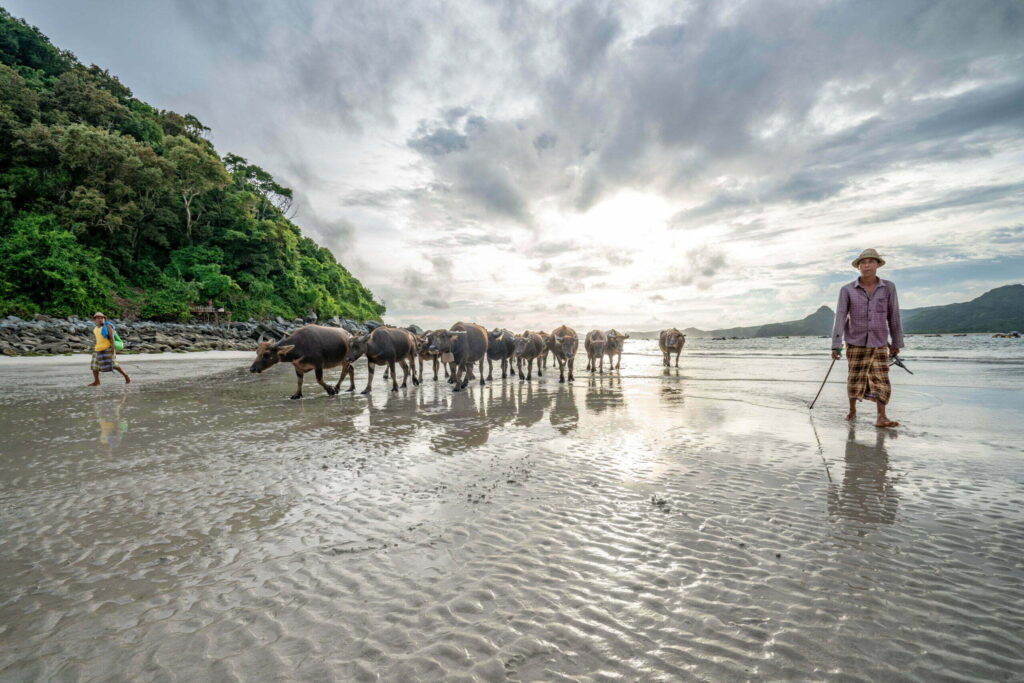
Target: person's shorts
(103,361)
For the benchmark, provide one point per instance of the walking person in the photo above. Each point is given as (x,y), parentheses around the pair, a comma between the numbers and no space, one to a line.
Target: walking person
(867,317)
(104,355)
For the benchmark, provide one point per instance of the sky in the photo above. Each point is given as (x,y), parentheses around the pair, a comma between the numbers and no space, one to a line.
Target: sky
(634,165)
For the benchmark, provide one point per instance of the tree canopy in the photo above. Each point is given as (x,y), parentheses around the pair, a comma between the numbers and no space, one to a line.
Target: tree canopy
(109,203)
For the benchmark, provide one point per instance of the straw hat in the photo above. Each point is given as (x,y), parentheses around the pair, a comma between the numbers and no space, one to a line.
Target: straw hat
(97,314)
(868,253)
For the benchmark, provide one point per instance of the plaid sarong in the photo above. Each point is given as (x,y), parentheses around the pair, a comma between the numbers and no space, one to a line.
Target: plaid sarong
(868,373)
(104,361)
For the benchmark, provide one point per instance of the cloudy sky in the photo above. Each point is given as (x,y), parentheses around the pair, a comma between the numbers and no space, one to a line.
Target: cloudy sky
(635,164)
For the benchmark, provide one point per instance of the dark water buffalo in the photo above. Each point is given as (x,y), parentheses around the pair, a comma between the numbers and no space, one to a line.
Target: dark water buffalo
(564,344)
(386,346)
(312,347)
(595,343)
(613,349)
(462,345)
(500,347)
(671,341)
(545,350)
(424,353)
(528,347)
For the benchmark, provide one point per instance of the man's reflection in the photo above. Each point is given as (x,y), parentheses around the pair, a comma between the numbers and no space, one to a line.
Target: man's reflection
(112,425)
(868,493)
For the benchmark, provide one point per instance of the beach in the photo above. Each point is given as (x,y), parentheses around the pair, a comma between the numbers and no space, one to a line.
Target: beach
(650,523)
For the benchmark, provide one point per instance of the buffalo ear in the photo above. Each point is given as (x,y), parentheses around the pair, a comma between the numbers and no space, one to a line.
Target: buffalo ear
(283,351)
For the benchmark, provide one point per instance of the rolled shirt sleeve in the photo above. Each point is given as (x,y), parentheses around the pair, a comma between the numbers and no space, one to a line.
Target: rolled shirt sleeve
(842,311)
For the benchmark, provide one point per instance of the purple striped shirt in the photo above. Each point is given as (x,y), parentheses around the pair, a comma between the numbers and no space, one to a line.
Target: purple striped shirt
(867,320)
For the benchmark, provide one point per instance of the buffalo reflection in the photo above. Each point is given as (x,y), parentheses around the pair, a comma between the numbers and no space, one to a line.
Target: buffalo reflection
(604,392)
(867,493)
(564,416)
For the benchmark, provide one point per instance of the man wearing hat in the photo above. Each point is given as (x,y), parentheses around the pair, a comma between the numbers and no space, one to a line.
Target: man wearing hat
(104,356)
(867,315)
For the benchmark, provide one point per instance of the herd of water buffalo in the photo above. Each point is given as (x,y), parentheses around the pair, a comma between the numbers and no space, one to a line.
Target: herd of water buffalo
(457,349)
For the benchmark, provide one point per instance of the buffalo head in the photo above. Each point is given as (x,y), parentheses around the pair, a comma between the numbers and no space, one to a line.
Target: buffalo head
(520,344)
(268,354)
(564,344)
(442,341)
(357,347)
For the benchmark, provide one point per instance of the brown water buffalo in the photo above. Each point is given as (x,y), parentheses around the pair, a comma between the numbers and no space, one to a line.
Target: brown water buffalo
(613,349)
(595,344)
(546,338)
(424,353)
(528,347)
(671,341)
(386,346)
(564,344)
(462,345)
(500,347)
(311,347)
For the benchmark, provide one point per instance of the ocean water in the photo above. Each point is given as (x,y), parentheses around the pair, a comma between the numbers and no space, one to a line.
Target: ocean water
(648,523)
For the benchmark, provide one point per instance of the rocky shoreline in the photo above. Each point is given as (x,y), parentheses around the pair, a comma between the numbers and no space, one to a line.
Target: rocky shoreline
(46,335)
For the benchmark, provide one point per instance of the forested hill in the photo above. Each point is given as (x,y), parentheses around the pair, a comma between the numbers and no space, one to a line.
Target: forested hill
(108,203)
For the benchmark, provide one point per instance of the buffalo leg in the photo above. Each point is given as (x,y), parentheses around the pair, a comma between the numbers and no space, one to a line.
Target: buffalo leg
(369,377)
(519,367)
(320,380)
(454,379)
(394,376)
(421,369)
(505,363)
(677,357)
(529,368)
(298,386)
(490,370)
(561,371)
(436,363)
(572,359)
(602,364)
(481,366)
(351,371)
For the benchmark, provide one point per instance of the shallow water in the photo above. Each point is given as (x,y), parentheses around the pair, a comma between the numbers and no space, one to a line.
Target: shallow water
(650,524)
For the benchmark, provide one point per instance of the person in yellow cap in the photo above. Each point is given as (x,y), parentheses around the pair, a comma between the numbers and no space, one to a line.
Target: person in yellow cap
(104,355)
(867,315)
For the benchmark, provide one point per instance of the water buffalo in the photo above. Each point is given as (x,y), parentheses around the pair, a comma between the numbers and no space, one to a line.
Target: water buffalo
(386,346)
(545,350)
(424,353)
(528,346)
(311,347)
(462,346)
(613,349)
(595,344)
(670,341)
(564,344)
(501,347)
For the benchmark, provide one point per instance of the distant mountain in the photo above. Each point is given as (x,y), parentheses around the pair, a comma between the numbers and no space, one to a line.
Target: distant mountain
(998,310)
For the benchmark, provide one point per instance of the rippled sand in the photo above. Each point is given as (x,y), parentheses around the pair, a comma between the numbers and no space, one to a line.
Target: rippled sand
(651,524)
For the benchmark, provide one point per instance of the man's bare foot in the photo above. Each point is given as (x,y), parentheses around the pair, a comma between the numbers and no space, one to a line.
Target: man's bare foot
(93,384)
(852,414)
(887,423)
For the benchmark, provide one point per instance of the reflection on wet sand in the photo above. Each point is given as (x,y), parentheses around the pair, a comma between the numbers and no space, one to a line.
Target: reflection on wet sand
(530,405)
(604,392)
(112,425)
(867,493)
(565,416)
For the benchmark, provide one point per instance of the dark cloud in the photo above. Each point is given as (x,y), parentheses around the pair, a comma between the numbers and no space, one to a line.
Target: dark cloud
(439,142)
(699,267)
(990,195)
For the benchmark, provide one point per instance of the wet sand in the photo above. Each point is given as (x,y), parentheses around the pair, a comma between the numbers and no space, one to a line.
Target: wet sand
(650,524)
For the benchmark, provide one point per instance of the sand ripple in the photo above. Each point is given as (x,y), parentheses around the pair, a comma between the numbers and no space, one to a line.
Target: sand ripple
(639,526)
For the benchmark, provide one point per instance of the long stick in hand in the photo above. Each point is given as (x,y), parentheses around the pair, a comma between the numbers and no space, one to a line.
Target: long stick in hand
(822,385)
